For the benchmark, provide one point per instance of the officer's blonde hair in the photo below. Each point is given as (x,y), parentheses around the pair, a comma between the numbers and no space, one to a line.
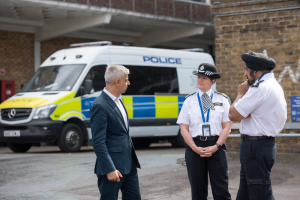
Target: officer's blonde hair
(114,72)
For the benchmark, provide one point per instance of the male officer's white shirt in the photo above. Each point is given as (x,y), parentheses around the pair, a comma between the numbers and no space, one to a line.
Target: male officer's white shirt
(119,104)
(190,114)
(267,106)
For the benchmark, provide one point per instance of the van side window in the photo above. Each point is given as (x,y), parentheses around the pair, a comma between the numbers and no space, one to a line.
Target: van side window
(141,81)
(151,80)
(96,74)
(165,79)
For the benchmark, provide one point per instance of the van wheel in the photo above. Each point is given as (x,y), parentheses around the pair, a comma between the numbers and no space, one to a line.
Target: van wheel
(71,138)
(178,141)
(19,147)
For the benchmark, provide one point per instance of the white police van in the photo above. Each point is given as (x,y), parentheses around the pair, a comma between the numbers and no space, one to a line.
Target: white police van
(54,104)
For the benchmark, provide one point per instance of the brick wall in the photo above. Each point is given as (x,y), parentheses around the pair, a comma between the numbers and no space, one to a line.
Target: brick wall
(243,26)
(16,56)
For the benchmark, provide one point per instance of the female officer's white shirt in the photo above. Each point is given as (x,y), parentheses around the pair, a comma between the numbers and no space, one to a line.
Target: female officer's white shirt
(190,114)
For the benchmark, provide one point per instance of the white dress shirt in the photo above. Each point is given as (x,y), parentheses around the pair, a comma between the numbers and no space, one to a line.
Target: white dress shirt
(191,115)
(119,104)
(267,106)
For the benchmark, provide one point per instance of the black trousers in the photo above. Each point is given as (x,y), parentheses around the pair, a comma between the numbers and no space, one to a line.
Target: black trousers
(129,185)
(257,158)
(198,169)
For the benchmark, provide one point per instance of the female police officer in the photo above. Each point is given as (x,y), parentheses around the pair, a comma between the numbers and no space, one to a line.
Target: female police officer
(205,125)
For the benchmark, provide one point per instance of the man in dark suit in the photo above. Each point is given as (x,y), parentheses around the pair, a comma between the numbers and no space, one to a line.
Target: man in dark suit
(116,161)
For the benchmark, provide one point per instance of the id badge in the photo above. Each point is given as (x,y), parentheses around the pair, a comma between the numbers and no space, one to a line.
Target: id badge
(206,130)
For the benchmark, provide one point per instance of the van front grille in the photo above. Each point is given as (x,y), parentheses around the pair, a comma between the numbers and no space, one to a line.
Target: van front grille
(15,114)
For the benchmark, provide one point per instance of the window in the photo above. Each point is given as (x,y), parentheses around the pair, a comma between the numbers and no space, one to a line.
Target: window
(96,74)
(151,80)
(141,81)
(54,78)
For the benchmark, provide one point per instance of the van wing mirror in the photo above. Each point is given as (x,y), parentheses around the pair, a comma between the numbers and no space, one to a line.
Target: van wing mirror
(88,86)
(22,85)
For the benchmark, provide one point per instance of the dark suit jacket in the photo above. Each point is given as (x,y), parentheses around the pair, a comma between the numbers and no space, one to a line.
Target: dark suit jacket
(111,140)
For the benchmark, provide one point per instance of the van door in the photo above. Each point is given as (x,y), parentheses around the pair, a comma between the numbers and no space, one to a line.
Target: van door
(167,100)
(96,75)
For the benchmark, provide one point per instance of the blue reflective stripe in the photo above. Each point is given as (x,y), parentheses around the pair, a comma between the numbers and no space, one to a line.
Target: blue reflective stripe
(86,104)
(143,106)
(180,103)
(200,104)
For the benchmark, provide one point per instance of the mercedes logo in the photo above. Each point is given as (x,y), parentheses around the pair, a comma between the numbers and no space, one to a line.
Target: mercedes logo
(12,114)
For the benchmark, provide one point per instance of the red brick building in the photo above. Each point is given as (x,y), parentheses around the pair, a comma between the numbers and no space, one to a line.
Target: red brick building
(257,25)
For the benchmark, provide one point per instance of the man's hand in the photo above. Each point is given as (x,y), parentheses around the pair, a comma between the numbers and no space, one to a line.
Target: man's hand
(210,150)
(201,151)
(243,88)
(114,176)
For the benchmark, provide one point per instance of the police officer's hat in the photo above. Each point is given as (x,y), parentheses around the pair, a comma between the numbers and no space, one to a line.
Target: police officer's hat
(258,61)
(206,69)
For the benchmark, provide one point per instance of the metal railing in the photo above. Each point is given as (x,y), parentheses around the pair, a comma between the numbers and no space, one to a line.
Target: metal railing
(187,10)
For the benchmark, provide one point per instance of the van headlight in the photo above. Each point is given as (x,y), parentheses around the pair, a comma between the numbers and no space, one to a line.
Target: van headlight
(44,111)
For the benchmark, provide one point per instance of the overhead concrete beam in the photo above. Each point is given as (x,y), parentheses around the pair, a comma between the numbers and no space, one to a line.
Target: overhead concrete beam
(21,22)
(157,37)
(56,28)
(17,28)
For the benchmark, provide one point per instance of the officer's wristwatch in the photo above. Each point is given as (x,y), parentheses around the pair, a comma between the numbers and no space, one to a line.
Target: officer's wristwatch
(219,146)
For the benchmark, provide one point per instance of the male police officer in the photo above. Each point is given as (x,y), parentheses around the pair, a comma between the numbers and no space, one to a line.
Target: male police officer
(261,107)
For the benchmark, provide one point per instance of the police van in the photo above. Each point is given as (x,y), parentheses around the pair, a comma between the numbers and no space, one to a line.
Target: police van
(53,106)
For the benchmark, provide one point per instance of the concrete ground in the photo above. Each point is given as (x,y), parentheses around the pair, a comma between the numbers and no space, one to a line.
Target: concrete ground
(46,173)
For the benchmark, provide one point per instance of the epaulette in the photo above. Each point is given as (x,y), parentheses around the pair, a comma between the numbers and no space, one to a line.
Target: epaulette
(224,95)
(189,96)
(257,84)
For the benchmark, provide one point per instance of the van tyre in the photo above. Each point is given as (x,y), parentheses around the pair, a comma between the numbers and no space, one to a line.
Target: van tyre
(178,141)
(19,147)
(71,138)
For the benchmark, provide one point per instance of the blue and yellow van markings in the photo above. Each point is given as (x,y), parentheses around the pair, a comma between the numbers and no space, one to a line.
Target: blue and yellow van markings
(86,103)
(136,106)
(153,106)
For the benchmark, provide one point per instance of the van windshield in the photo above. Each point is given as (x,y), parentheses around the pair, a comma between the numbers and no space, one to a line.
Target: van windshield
(54,78)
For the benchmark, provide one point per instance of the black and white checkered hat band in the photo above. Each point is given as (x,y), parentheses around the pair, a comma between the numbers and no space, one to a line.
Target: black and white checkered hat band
(208,73)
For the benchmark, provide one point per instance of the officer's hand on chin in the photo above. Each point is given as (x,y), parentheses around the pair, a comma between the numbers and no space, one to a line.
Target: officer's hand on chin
(243,88)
